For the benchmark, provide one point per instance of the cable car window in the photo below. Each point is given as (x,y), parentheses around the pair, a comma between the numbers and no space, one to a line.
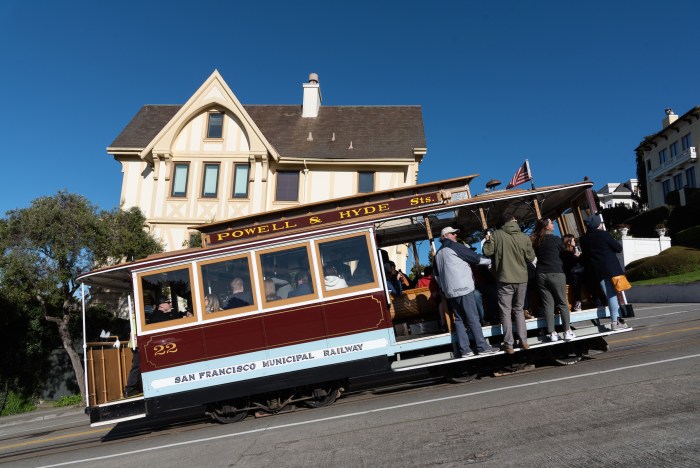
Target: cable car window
(346,263)
(166,298)
(227,287)
(285,275)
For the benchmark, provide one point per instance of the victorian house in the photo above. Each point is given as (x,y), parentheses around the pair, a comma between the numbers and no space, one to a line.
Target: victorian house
(667,161)
(214,159)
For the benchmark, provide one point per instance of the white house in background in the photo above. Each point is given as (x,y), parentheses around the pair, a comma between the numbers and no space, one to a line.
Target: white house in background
(613,194)
(214,159)
(669,157)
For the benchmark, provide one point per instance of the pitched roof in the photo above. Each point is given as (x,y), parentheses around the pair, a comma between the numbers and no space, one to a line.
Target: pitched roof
(375,131)
(144,127)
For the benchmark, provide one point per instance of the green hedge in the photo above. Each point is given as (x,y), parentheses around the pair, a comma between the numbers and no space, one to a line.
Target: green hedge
(688,238)
(643,225)
(674,261)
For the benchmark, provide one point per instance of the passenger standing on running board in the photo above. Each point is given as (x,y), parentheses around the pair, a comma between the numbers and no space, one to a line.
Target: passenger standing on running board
(511,251)
(454,275)
(551,280)
(601,249)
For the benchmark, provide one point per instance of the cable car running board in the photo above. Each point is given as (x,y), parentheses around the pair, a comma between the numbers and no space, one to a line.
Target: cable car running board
(533,342)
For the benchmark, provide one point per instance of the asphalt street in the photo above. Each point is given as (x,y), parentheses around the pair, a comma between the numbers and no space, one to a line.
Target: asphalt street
(636,405)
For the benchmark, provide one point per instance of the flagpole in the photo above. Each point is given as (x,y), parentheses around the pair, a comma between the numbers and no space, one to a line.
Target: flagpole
(529,172)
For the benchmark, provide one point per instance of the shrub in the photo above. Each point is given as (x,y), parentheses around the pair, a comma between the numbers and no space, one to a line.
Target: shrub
(16,403)
(68,400)
(688,238)
(643,225)
(684,217)
(674,261)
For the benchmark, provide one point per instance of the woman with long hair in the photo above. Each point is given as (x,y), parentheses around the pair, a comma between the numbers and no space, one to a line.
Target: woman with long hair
(551,280)
(573,267)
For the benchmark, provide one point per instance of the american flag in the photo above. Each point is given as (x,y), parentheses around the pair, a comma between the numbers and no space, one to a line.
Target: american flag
(521,176)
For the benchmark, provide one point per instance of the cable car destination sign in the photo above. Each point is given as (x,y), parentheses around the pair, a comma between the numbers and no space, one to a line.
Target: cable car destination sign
(345,214)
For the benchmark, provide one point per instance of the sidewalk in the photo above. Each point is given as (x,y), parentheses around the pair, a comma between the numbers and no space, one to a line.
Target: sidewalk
(680,293)
(42,414)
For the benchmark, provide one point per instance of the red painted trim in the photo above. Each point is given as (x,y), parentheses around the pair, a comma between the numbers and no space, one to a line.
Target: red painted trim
(269,330)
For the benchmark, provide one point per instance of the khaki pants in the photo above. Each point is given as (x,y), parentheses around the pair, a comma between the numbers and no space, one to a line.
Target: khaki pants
(511,297)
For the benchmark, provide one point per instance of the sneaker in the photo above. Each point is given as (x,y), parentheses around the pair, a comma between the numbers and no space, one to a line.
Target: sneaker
(554,336)
(577,306)
(489,350)
(617,326)
(569,335)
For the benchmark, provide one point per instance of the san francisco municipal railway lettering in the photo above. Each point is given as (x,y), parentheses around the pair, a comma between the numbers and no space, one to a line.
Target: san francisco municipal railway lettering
(268,363)
(345,214)
(342,350)
(215,373)
(287,359)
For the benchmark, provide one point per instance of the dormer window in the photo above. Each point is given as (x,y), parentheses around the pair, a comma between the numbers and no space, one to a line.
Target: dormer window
(215,126)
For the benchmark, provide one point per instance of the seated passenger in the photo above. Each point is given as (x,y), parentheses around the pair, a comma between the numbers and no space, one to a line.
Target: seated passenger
(427,277)
(361,275)
(239,296)
(303,286)
(211,303)
(395,280)
(164,312)
(270,290)
(283,290)
(332,279)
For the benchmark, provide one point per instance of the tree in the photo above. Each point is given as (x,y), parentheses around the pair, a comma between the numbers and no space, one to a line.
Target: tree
(48,245)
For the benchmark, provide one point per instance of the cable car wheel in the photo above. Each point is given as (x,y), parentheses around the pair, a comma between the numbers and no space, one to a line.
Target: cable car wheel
(567,354)
(228,412)
(323,395)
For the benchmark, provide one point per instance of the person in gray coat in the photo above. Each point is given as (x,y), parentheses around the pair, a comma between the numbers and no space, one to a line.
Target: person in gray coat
(454,276)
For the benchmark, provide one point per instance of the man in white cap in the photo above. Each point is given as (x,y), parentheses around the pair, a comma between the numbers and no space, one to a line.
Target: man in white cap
(454,275)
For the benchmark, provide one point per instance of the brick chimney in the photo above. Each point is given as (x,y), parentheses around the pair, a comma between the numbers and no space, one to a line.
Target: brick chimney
(312,97)
(669,119)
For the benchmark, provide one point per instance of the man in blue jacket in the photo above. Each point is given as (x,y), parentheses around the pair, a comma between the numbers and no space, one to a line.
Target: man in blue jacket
(454,275)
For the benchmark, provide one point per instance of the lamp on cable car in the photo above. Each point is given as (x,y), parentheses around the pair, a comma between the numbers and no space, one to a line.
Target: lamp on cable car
(492,184)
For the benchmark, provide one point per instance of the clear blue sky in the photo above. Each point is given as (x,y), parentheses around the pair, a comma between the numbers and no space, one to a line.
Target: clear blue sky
(571,86)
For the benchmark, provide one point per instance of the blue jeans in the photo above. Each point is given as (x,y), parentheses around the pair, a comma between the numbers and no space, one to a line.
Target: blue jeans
(611,294)
(479,299)
(467,318)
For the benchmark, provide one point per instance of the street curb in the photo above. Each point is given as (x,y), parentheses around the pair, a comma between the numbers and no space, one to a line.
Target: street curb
(677,293)
(40,415)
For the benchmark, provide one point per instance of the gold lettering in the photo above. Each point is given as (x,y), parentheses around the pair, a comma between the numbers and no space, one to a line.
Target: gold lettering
(344,214)
(237,233)
(383,207)
(370,209)
(249,231)
(263,229)
(276,227)
(289,226)
(314,220)
(222,235)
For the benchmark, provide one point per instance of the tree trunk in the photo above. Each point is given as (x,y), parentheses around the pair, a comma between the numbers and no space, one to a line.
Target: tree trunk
(67,341)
